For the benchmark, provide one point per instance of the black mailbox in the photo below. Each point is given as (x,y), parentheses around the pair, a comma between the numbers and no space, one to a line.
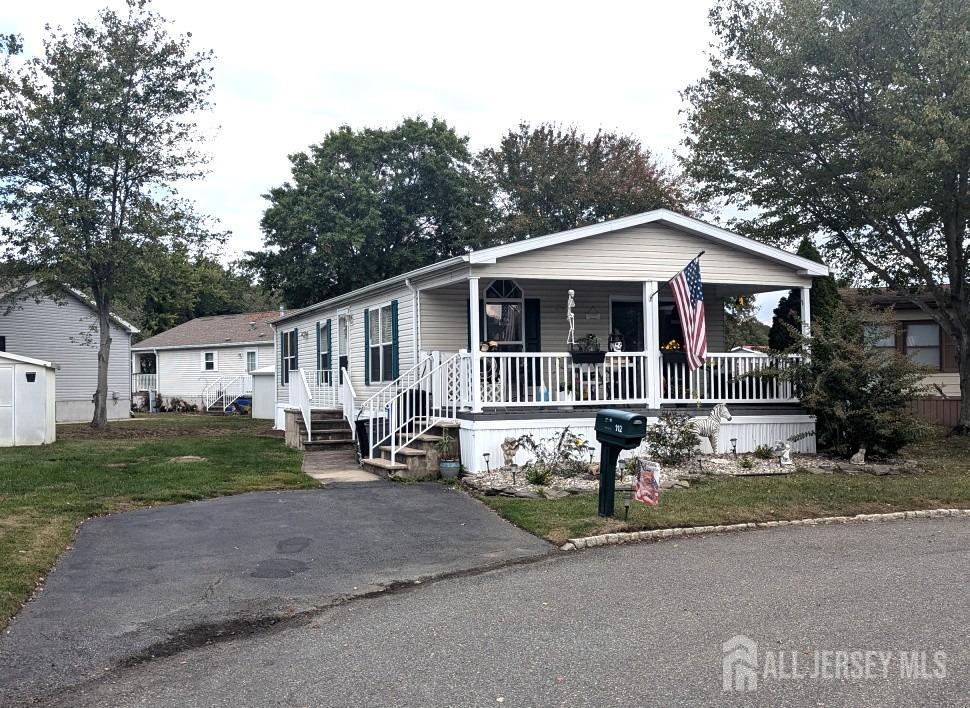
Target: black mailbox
(616,430)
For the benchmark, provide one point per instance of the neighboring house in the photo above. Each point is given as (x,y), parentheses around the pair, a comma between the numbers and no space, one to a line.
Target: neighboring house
(206,362)
(63,330)
(405,352)
(918,336)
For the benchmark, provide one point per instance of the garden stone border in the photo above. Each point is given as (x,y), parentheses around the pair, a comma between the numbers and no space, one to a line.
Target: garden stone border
(612,539)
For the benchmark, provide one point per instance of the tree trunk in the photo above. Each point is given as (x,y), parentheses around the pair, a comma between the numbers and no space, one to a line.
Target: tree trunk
(963,361)
(100,420)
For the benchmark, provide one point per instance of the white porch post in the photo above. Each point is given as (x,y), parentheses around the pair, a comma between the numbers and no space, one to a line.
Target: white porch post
(806,313)
(474,329)
(651,340)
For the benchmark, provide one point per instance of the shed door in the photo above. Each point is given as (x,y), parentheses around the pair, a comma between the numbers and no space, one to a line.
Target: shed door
(30,394)
(6,405)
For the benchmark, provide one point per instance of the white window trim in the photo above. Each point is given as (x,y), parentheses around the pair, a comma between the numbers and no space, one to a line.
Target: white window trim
(285,369)
(215,361)
(520,301)
(255,353)
(371,346)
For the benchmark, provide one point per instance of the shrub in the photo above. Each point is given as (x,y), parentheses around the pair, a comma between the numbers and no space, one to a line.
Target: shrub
(859,394)
(764,452)
(745,463)
(540,476)
(672,439)
(564,454)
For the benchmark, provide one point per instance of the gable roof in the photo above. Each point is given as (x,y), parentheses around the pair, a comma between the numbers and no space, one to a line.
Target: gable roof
(8,356)
(670,218)
(13,292)
(215,331)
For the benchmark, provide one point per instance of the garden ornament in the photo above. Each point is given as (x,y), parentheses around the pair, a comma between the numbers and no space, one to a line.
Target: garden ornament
(710,427)
(859,458)
(571,318)
(783,450)
(510,446)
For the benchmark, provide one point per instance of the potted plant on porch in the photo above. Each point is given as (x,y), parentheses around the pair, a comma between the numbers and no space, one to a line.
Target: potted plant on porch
(588,351)
(448,463)
(672,352)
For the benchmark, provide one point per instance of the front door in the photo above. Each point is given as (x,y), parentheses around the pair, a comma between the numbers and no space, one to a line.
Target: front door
(343,345)
(626,324)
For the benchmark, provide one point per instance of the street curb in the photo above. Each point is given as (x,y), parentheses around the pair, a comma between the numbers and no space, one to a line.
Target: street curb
(613,539)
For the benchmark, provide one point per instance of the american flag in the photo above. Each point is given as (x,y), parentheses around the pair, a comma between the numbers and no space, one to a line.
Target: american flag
(648,486)
(689,296)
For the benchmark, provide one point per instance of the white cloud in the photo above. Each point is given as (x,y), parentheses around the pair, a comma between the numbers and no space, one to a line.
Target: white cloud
(288,72)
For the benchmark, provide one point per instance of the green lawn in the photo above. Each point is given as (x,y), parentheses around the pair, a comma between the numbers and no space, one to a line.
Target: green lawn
(45,492)
(720,500)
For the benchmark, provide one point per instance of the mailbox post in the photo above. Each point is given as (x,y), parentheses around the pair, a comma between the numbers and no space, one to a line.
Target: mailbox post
(616,430)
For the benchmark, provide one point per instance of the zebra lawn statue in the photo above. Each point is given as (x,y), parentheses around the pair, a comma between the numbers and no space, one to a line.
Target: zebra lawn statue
(710,426)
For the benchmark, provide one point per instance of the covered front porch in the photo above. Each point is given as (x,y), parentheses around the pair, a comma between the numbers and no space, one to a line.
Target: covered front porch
(629,332)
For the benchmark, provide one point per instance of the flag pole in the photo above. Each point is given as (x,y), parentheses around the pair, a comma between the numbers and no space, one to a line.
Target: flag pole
(678,273)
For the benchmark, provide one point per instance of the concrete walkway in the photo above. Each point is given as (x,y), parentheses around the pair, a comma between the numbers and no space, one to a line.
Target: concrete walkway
(152,581)
(339,466)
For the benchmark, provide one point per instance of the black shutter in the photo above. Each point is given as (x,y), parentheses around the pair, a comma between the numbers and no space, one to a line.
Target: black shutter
(366,347)
(533,340)
(395,344)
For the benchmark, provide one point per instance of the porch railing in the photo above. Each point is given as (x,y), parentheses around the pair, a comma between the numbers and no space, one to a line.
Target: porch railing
(144,382)
(728,377)
(347,398)
(301,397)
(323,392)
(548,378)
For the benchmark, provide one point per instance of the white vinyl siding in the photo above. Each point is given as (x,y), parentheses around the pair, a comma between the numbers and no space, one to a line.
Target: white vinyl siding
(444,313)
(65,332)
(308,344)
(651,252)
(180,375)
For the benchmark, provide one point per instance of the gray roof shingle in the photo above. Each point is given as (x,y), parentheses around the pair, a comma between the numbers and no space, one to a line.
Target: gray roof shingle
(243,328)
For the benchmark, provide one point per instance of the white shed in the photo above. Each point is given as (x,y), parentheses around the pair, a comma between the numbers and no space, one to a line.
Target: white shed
(264,392)
(26,401)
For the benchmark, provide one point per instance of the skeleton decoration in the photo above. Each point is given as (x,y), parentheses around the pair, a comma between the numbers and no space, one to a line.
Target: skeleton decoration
(510,446)
(571,319)
(710,427)
(783,450)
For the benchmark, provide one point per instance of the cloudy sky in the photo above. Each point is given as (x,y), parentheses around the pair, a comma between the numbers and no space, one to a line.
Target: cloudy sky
(287,72)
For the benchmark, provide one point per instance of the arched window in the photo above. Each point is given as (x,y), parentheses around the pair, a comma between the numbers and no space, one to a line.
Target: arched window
(504,306)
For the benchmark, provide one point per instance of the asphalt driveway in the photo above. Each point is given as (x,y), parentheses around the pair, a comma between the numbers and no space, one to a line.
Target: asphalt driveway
(154,581)
(633,625)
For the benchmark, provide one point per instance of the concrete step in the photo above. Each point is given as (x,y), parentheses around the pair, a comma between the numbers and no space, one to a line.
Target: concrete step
(345,443)
(326,414)
(405,451)
(386,468)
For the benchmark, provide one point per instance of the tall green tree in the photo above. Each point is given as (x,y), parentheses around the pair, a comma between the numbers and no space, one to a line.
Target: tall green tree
(847,119)
(824,299)
(94,134)
(365,205)
(741,324)
(551,178)
(182,286)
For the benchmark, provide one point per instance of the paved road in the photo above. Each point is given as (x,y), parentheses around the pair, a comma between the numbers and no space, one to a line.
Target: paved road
(145,581)
(629,625)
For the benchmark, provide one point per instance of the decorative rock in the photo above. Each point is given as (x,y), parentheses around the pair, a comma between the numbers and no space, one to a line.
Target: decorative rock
(568,547)
(578,542)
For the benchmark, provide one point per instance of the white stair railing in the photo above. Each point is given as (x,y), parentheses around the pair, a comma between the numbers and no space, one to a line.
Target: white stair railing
(300,397)
(347,398)
(223,392)
(415,410)
(374,409)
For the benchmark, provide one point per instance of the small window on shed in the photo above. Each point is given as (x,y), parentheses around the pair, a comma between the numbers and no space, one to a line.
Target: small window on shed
(31,376)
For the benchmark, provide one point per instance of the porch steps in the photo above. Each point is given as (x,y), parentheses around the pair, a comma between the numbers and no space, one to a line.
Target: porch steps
(330,431)
(417,461)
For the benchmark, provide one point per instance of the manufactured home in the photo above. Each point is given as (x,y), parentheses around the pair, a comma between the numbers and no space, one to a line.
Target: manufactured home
(61,327)
(207,362)
(478,343)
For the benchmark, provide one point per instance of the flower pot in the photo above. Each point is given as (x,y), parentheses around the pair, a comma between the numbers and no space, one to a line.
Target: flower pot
(449,469)
(588,357)
(675,356)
